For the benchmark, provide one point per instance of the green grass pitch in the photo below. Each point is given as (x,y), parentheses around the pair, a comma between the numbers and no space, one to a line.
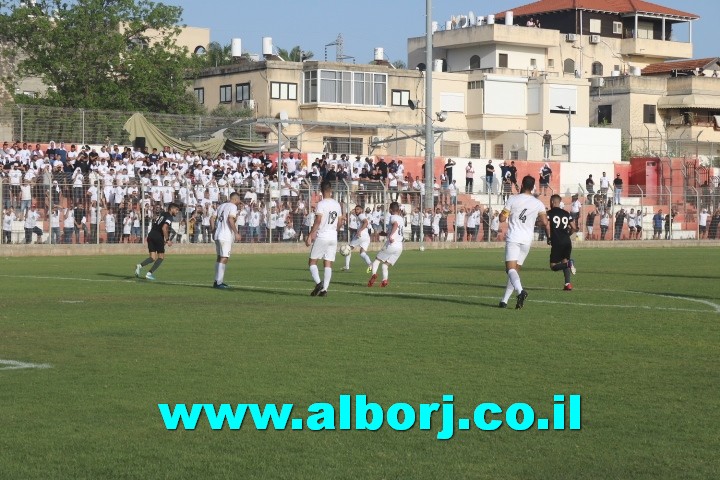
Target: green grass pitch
(638,338)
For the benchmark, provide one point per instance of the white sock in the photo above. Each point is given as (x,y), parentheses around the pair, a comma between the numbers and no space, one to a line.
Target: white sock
(217,271)
(347,261)
(515,279)
(315,273)
(327,277)
(385,271)
(508,291)
(375,266)
(365,257)
(220,275)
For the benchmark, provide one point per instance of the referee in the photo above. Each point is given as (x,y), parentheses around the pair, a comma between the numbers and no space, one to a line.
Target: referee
(559,227)
(158,237)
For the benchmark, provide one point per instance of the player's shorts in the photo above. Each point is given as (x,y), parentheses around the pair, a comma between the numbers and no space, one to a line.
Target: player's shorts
(156,244)
(223,247)
(362,241)
(324,248)
(639,228)
(560,252)
(390,253)
(516,252)
(632,229)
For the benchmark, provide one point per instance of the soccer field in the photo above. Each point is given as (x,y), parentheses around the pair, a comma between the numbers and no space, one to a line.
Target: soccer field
(87,352)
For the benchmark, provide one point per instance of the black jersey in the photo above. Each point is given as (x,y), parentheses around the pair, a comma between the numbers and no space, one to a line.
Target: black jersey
(560,222)
(158,222)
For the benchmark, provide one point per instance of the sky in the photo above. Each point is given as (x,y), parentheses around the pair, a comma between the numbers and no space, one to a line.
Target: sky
(368,24)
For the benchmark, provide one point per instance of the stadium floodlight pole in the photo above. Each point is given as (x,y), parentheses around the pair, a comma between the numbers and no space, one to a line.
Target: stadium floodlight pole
(429,137)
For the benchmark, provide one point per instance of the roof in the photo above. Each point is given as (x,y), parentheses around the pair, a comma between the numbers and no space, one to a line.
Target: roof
(613,6)
(685,102)
(682,65)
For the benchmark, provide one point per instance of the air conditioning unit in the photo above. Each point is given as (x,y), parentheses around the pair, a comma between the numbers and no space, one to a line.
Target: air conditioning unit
(248,104)
(375,140)
(595,39)
(570,37)
(597,82)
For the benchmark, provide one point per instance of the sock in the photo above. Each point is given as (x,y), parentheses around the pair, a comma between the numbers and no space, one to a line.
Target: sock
(220,274)
(515,279)
(558,266)
(315,273)
(567,273)
(327,277)
(217,271)
(156,265)
(365,257)
(385,271)
(347,262)
(508,291)
(375,266)
(147,262)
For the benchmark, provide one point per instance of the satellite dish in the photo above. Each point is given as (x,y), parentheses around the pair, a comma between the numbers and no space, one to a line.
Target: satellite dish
(442,116)
(412,105)
(471,19)
(284,116)
(462,21)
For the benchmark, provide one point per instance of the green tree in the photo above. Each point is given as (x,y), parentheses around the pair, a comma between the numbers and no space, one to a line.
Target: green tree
(100,54)
(294,55)
(400,65)
(217,55)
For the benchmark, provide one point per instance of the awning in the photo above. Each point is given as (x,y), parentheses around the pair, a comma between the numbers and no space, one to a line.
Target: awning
(689,101)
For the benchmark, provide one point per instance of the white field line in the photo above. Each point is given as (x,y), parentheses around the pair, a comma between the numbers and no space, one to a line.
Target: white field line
(15,365)
(715,307)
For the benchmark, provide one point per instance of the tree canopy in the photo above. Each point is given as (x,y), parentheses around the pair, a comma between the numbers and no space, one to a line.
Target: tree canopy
(99,54)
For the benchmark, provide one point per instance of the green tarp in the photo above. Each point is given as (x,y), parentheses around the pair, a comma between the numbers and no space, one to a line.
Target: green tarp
(139,126)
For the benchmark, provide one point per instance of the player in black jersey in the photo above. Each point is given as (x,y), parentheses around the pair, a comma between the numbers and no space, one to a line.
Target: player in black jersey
(560,226)
(158,237)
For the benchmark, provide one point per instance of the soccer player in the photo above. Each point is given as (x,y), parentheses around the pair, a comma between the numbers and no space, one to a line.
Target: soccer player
(521,212)
(361,239)
(560,226)
(323,237)
(225,227)
(391,251)
(157,239)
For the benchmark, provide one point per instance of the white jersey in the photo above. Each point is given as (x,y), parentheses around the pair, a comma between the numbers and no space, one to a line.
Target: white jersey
(223,231)
(361,219)
(330,211)
(522,211)
(397,237)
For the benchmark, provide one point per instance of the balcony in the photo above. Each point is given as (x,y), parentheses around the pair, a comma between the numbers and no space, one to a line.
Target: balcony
(489,35)
(656,48)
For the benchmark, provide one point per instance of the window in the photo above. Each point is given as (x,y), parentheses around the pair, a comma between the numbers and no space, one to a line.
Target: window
(617,28)
(533,63)
(293,142)
(225,93)
(475,85)
(597,69)
(648,113)
(242,92)
(400,98)
(474,62)
(350,88)
(499,152)
(645,30)
(503,60)
(616,68)
(595,25)
(475,150)
(604,114)
(551,63)
(569,65)
(450,149)
(347,145)
(283,91)
(200,95)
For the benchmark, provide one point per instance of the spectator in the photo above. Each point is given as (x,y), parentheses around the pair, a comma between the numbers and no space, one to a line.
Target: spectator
(449,170)
(469,177)
(545,174)
(590,189)
(460,225)
(604,224)
(31,225)
(668,224)
(547,144)
(620,217)
(575,207)
(617,188)
(657,225)
(604,186)
(702,220)
(8,219)
(590,222)
(489,177)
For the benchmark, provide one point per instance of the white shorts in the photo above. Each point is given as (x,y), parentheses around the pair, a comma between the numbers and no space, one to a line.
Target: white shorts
(363,242)
(223,247)
(390,253)
(324,248)
(516,252)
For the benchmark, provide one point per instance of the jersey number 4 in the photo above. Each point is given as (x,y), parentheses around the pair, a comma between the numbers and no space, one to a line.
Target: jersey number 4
(522,217)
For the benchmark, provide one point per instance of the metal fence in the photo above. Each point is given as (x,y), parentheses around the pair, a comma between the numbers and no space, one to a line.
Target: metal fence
(662,146)
(39,124)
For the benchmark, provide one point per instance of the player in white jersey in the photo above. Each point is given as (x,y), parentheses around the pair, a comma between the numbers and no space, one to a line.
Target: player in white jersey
(361,239)
(323,237)
(225,229)
(521,211)
(391,251)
